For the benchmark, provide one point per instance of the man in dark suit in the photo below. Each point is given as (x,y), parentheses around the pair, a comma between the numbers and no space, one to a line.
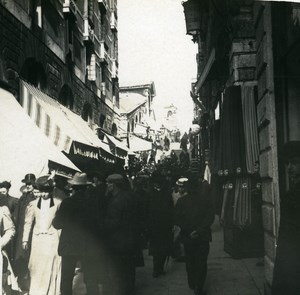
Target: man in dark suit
(75,244)
(120,227)
(194,215)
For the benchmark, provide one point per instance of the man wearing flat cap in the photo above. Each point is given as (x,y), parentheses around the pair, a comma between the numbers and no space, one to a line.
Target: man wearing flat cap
(120,235)
(286,277)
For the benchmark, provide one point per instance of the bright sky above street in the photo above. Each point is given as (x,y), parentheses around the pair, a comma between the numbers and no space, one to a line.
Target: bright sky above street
(153,46)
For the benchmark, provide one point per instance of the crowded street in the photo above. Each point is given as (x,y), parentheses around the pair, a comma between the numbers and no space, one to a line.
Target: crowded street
(226,276)
(150,147)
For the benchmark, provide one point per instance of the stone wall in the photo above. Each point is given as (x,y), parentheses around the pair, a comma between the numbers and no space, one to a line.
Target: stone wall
(266,117)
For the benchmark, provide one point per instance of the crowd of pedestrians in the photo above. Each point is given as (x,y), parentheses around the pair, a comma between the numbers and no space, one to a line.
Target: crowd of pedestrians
(102,225)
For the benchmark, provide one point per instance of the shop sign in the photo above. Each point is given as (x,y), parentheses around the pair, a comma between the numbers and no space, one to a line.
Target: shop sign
(85,151)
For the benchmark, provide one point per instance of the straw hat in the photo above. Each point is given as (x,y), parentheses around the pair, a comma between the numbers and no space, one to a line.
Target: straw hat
(79,179)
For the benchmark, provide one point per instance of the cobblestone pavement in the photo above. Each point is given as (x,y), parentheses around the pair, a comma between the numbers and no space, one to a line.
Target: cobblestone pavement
(226,276)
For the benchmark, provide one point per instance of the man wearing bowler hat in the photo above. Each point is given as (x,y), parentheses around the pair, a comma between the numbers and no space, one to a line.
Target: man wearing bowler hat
(286,277)
(73,218)
(120,230)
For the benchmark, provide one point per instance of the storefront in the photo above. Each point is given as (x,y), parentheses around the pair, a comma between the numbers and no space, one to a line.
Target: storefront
(68,131)
(24,149)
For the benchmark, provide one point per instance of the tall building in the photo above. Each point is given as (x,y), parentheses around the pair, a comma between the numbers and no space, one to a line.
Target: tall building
(68,50)
(247,107)
(136,109)
(59,60)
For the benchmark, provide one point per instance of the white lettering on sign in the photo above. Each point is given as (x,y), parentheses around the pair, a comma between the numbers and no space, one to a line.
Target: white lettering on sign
(85,153)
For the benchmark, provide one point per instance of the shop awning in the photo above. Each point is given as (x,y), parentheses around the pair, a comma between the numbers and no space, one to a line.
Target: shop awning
(117,147)
(138,144)
(62,126)
(24,149)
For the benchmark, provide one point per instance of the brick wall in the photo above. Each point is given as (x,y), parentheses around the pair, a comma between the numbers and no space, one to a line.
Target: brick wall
(19,43)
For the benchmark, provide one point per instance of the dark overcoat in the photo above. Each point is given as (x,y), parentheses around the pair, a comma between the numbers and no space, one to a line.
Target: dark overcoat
(74,219)
(160,222)
(120,223)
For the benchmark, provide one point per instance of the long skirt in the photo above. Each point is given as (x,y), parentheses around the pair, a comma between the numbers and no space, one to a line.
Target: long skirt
(44,265)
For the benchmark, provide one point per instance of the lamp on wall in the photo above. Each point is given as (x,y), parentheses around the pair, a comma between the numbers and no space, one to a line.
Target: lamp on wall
(195,12)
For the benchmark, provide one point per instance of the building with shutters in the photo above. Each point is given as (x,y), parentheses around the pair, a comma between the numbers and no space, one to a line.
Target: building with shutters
(247,105)
(66,49)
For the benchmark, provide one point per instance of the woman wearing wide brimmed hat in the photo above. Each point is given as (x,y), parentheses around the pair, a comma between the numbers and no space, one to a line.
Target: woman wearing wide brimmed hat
(44,262)
(73,219)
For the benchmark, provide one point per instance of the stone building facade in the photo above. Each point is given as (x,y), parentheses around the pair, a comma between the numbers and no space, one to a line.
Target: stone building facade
(252,44)
(136,110)
(68,49)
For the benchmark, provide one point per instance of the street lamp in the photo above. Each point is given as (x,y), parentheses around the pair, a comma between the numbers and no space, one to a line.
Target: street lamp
(195,12)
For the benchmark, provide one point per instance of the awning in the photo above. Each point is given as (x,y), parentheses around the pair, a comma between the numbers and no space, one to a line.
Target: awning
(24,149)
(138,144)
(62,126)
(117,147)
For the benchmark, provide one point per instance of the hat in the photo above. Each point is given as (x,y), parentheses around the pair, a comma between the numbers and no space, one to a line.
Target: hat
(182,181)
(291,149)
(115,178)
(79,179)
(44,183)
(5,184)
(29,178)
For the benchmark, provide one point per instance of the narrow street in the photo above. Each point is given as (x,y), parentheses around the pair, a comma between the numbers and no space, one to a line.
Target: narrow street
(226,276)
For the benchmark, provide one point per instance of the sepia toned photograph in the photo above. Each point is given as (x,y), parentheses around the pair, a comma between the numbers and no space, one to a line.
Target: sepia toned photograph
(150,147)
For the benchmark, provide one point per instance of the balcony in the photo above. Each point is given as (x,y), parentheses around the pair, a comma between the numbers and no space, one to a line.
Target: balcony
(114,70)
(70,9)
(104,57)
(113,22)
(103,6)
(88,33)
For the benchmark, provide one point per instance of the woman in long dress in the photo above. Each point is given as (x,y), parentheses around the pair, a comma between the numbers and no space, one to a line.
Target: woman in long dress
(44,262)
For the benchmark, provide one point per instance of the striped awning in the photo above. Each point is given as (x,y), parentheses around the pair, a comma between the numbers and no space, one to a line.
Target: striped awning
(62,126)
(24,149)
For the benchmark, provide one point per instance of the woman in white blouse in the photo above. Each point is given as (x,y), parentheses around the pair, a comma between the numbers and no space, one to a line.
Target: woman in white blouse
(44,262)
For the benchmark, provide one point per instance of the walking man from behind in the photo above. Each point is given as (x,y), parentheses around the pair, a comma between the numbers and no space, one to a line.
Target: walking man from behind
(194,215)
(120,230)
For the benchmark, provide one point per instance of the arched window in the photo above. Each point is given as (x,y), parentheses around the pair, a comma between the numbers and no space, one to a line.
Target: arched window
(114,129)
(87,113)
(102,120)
(66,97)
(33,72)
